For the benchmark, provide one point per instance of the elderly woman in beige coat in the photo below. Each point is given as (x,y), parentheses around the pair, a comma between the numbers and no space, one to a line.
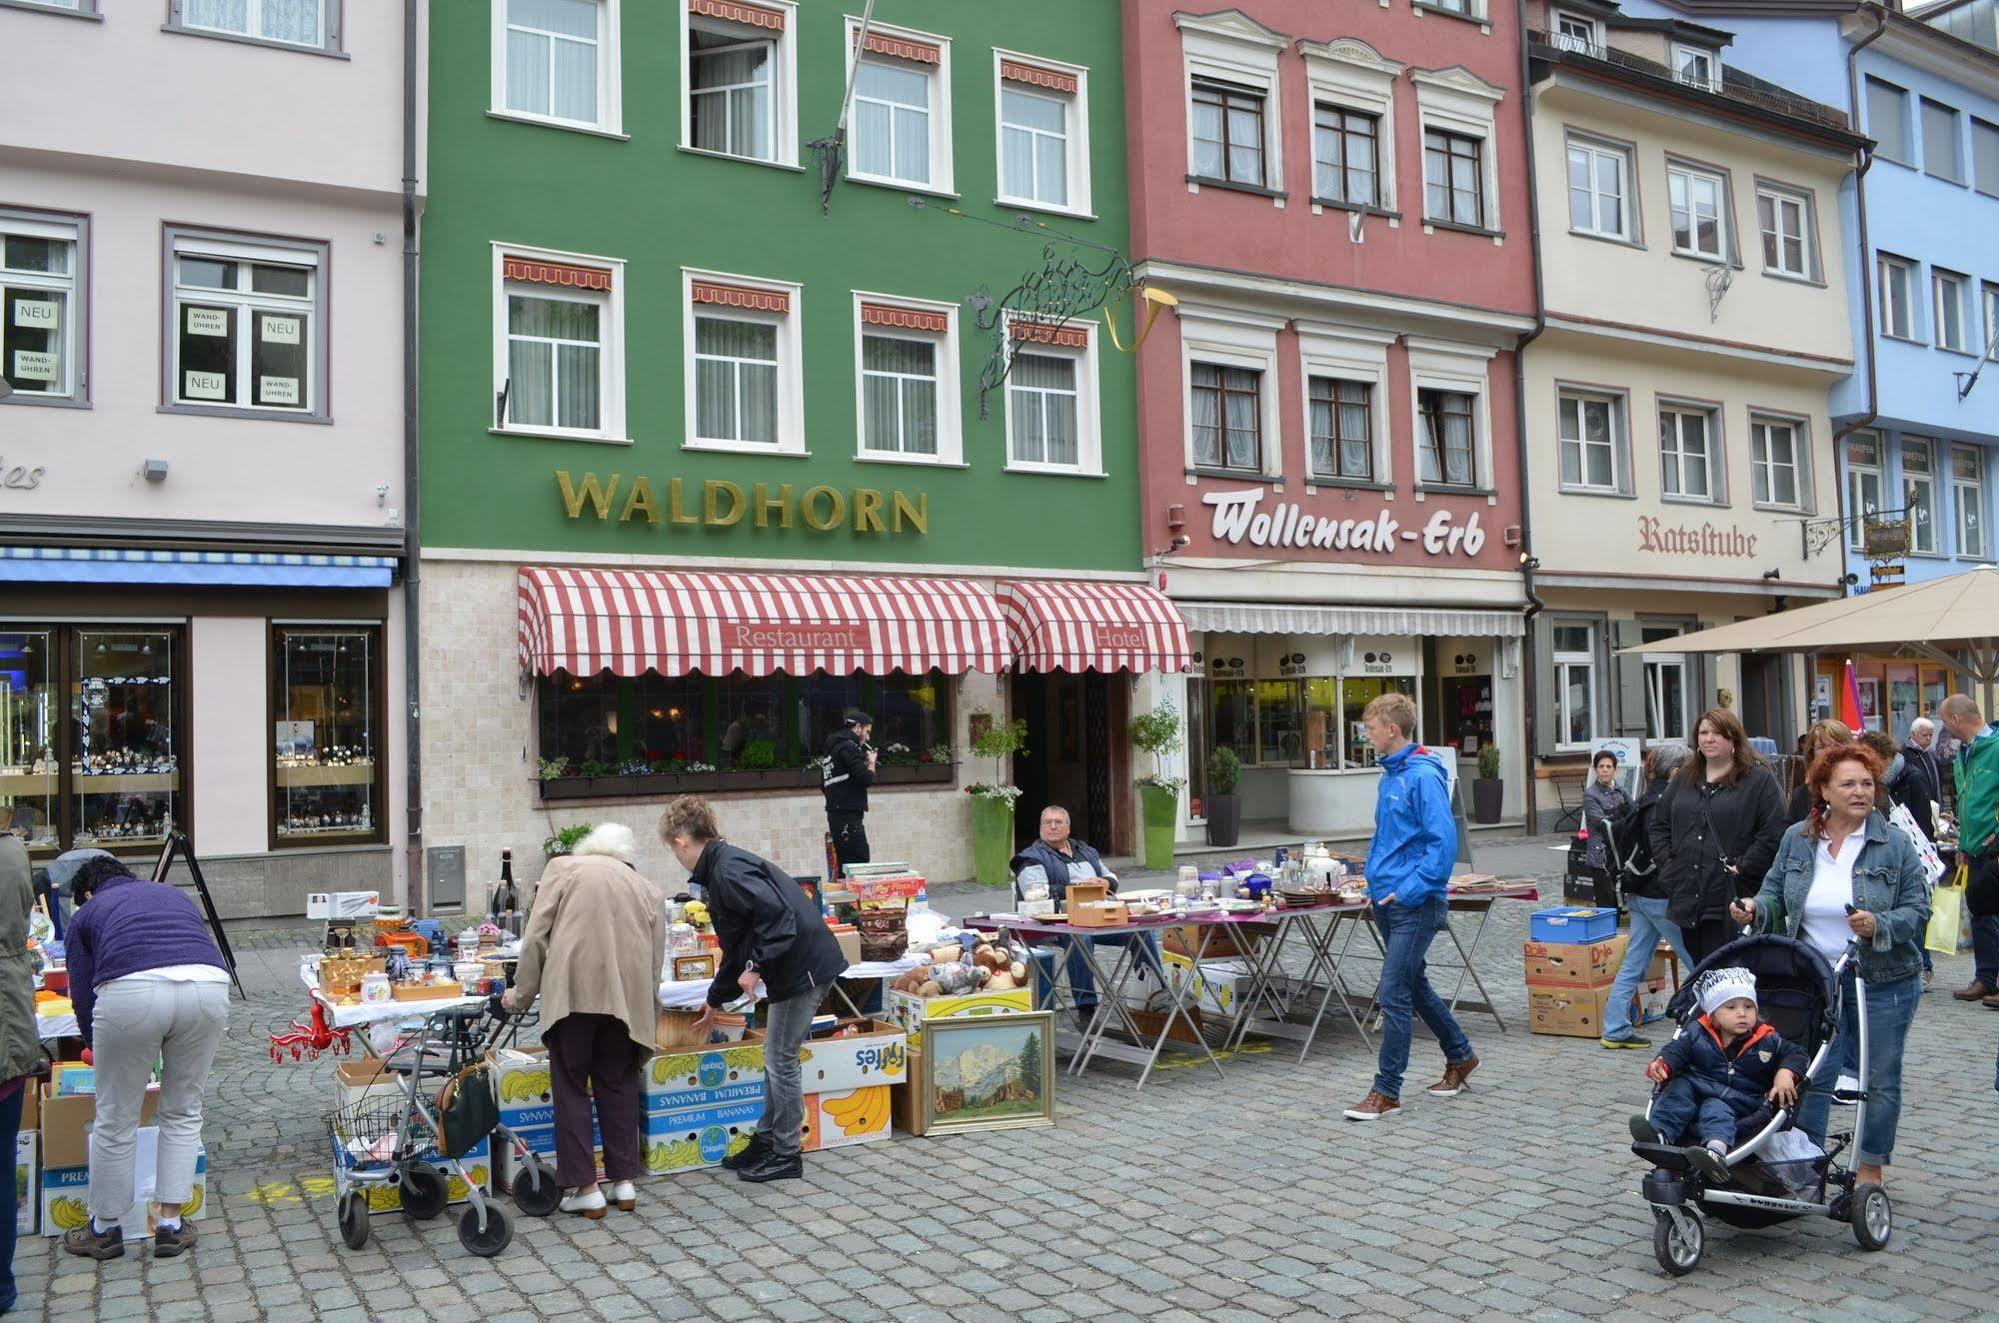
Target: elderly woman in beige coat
(592,951)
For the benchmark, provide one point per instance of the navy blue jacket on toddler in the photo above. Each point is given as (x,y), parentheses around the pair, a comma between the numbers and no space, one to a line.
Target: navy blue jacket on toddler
(1722,1069)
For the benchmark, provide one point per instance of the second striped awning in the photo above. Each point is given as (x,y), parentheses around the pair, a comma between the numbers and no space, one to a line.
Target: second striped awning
(1062,625)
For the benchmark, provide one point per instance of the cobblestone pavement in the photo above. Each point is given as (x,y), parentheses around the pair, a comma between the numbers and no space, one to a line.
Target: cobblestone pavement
(1198,1199)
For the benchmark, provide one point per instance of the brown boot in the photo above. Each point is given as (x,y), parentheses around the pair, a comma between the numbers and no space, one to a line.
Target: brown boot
(1455,1075)
(1373,1107)
(1976,992)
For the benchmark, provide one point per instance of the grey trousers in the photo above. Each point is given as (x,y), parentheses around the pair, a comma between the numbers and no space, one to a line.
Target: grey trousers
(136,1022)
(788,1022)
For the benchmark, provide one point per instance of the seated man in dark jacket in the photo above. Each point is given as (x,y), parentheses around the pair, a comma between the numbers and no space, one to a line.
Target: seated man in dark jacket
(1058,859)
(770,934)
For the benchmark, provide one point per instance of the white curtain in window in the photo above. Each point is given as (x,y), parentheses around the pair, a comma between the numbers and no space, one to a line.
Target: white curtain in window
(576,80)
(735,380)
(900,392)
(527,72)
(292,20)
(1044,412)
(222,15)
(1242,419)
(1207,417)
(892,122)
(554,358)
(732,101)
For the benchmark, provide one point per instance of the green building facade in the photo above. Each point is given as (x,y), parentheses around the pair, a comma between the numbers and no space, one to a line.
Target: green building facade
(647,353)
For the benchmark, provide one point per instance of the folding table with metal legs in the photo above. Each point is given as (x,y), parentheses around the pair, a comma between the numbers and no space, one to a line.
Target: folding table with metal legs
(1321,972)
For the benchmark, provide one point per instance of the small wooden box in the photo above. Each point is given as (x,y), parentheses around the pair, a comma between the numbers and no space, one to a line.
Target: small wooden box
(1084,892)
(428,991)
(1098,913)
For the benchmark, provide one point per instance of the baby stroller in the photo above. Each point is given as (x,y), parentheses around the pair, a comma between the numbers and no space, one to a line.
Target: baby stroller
(1799,993)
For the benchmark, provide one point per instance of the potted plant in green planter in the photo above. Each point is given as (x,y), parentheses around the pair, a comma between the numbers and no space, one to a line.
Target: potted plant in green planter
(1224,806)
(993,801)
(1488,790)
(565,840)
(1158,733)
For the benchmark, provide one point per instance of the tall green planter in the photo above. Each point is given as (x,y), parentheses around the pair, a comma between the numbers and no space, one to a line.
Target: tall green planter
(1162,823)
(992,841)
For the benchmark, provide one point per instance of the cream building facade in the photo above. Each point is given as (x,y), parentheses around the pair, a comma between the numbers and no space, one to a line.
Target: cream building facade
(1692,233)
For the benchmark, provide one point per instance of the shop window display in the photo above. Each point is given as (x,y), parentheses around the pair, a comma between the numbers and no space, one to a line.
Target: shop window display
(1310,722)
(29,771)
(323,725)
(1356,693)
(124,773)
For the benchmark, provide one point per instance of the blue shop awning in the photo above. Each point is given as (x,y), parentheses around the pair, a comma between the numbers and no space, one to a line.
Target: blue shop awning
(215,569)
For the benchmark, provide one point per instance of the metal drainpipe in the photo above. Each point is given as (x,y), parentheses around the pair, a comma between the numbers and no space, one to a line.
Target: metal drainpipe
(1866,282)
(1534,603)
(412,505)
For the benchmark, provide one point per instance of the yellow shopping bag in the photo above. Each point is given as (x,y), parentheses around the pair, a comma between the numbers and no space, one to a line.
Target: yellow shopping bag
(1947,914)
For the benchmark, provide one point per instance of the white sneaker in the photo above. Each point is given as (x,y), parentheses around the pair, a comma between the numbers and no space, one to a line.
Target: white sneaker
(625,1195)
(1845,1083)
(591,1205)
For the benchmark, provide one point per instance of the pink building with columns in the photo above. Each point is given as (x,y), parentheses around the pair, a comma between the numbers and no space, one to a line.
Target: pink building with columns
(1337,196)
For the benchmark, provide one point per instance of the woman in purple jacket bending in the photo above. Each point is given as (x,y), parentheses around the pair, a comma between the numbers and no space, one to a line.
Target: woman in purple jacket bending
(149,985)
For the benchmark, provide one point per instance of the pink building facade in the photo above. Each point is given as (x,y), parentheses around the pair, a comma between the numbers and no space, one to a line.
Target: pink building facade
(1337,197)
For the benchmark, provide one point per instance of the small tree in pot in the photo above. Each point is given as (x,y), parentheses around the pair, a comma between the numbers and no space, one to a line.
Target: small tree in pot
(1158,733)
(1224,806)
(993,801)
(1488,790)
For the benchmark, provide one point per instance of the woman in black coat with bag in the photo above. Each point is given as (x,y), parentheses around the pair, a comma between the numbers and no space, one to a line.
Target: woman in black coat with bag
(1717,832)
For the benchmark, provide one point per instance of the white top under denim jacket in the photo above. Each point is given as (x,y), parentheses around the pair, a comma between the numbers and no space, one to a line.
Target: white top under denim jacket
(1888,883)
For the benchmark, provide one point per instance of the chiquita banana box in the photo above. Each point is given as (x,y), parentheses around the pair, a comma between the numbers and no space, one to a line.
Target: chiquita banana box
(681,1141)
(834,1120)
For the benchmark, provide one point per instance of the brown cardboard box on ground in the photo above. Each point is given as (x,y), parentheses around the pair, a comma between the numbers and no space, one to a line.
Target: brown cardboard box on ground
(1573,965)
(66,1126)
(1566,1012)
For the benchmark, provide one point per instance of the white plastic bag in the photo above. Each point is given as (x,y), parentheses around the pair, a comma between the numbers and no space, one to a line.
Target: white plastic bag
(1904,821)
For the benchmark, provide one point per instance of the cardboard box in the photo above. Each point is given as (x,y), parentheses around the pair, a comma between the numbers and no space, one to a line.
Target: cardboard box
(541,1141)
(719,1076)
(878,1054)
(354,1080)
(1566,1012)
(835,1120)
(904,1109)
(27,1181)
(478,1161)
(65,1190)
(849,938)
(1216,984)
(910,1011)
(521,1086)
(1649,1002)
(1576,965)
(687,1141)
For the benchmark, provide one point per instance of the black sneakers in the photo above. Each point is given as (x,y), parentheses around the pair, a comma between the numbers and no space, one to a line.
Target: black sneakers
(169,1241)
(774,1167)
(757,1150)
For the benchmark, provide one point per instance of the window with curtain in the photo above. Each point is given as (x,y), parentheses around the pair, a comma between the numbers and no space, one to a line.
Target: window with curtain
(899,395)
(892,124)
(1598,188)
(245,327)
(553,54)
(1228,133)
(736,380)
(1784,218)
(295,22)
(555,359)
(1694,199)
(326,708)
(1898,292)
(1346,156)
(1228,417)
(1453,178)
(1592,441)
(1574,658)
(1042,407)
(1034,146)
(1445,448)
(1342,429)
(1686,455)
(1775,465)
(1919,493)
(730,95)
(40,280)
(1967,491)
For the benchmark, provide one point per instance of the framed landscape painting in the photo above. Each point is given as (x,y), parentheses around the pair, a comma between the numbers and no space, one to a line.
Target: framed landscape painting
(994,1072)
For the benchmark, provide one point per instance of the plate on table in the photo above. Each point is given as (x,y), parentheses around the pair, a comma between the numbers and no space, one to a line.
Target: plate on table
(1130,896)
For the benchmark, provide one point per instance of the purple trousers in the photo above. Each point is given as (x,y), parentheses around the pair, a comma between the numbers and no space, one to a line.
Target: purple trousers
(592,1057)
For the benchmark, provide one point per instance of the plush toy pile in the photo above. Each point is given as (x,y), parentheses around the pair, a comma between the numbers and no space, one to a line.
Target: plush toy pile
(955,969)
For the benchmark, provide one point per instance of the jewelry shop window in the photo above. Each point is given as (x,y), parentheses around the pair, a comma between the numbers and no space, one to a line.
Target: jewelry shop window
(325,712)
(124,771)
(29,771)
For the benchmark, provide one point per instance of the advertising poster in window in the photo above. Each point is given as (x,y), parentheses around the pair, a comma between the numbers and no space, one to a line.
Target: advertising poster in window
(32,365)
(206,386)
(274,330)
(277,390)
(208,321)
(37,314)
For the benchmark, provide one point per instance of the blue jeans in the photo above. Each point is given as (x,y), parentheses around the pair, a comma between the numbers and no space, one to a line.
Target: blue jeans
(1406,933)
(1890,1009)
(1688,1114)
(1648,924)
(786,1026)
(10,1129)
(1985,950)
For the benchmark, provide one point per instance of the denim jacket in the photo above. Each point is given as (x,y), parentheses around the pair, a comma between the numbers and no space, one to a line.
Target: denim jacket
(1888,882)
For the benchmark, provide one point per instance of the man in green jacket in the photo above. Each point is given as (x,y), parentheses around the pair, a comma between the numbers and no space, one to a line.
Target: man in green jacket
(1976,768)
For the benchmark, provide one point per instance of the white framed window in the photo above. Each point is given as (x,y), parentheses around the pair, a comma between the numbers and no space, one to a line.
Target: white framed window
(1052,419)
(1458,112)
(558,344)
(1698,202)
(1350,95)
(1967,498)
(1044,133)
(73,8)
(1234,128)
(1690,452)
(1948,289)
(902,108)
(312,25)
(743,363)
(556,62)
(1599,189)
(44,262)
(1345,369)
(1574,658)
(1449,404)
(1778,475)
(1942,156)
(1593,440)
(1919,493)
(1888,120)
(1228,374)
(1991,293)
(1697,66)
(1864,485)
(739,79)
(1897,277)
(907,352)
(246,329)
(1577,32)
(1667,693)
(1341,438)
(1784,216)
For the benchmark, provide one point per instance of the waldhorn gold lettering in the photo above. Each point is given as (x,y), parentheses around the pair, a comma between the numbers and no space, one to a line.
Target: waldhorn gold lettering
(679,515)
(640,500)
(737,504)
(600,498)
(919,513)
(780,504)
(867,510)
(836,509)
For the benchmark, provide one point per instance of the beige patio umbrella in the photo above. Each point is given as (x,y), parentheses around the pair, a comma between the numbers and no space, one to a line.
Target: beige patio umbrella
(1953,620)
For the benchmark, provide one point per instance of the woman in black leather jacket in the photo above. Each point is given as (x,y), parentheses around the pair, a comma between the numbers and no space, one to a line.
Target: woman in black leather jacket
(1717,832)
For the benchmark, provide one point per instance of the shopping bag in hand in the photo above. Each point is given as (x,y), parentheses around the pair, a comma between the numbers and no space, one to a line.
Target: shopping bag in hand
(1946,915)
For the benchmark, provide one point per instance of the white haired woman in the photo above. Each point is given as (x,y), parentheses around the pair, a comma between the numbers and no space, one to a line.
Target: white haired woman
(592,951)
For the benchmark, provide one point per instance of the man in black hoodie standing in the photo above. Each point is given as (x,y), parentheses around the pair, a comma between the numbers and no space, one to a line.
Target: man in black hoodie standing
(850,770)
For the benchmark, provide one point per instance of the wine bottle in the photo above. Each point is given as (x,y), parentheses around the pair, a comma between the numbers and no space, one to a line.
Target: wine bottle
(506,899)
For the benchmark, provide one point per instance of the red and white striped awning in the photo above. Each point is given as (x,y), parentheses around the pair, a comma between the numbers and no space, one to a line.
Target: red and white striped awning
(628,622)
(1063,625)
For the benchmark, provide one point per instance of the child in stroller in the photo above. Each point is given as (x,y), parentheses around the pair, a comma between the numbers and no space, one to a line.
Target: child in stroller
(1720,1075)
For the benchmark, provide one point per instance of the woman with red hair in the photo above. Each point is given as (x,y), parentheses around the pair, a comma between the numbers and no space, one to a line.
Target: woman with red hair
(1843,878)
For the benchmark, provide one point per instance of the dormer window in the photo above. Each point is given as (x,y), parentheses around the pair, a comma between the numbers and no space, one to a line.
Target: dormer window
(1575,32)
(1697,66)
